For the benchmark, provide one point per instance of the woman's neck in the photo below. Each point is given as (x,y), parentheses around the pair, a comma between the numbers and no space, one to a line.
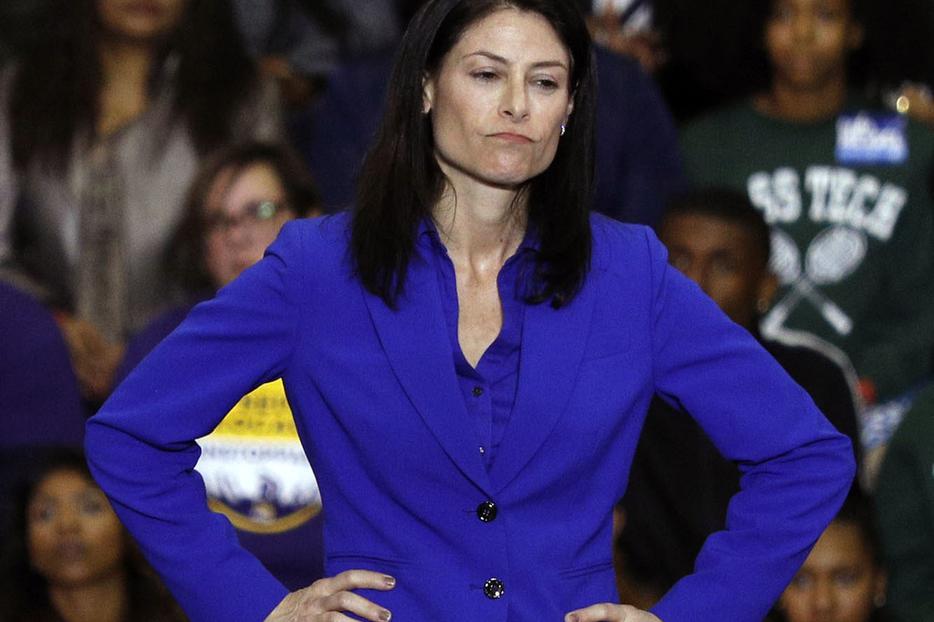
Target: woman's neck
(104,600)
(126,68)
(481,226)
(785,102)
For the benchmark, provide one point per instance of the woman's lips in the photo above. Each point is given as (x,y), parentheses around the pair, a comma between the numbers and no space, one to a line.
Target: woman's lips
(512,138)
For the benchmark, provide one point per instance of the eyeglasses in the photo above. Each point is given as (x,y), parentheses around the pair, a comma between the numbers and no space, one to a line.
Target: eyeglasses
(255,213)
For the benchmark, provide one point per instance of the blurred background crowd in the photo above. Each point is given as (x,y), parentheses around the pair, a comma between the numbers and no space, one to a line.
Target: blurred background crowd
(783,150)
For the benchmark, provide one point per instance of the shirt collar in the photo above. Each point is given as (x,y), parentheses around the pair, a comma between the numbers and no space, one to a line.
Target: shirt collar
(429,238)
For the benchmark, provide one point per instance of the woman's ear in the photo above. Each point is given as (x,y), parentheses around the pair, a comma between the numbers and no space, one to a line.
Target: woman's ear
(428,93)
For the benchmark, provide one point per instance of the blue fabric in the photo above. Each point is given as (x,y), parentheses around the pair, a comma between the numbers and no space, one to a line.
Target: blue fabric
(39,398)
(377,403)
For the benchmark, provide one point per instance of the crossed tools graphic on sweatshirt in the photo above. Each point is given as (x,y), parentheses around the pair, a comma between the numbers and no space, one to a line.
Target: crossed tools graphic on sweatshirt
(832,255)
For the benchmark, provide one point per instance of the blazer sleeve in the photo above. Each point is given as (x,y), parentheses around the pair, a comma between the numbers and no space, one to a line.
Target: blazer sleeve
(795,467)
(141,445)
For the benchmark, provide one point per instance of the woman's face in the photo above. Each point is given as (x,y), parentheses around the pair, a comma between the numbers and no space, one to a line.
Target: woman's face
(838,582)
(808,41)
(244,212)
(73,535)
(499,98)
(140,20)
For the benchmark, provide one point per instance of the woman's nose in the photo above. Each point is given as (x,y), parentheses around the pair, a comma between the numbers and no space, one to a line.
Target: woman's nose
(515,104)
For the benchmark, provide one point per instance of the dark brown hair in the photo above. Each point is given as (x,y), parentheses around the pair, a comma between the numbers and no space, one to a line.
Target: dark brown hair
(58,80)
(401,181)
(185,255)
(24,593)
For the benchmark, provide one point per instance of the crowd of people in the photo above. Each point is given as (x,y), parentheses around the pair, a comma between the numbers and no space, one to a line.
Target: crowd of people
(151,151)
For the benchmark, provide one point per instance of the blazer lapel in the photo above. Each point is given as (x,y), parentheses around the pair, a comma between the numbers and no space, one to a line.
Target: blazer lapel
(416,341)
(553,343)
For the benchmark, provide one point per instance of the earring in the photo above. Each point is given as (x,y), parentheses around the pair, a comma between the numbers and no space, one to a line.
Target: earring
(762,306)
(879,600)
(562,129)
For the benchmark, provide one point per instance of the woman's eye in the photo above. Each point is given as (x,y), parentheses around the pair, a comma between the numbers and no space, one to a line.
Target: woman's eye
(546,84)
(92,504)
(484,75)
(847,578)
(41,514)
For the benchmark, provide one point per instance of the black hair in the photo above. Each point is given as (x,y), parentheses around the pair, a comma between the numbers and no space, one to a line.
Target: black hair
(729,205)
(401,181)
(185,254)
(24,593)
(857,63)
(857,510)
(58,79)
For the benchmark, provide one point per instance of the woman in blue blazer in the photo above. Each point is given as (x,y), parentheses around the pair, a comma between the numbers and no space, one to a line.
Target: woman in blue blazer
(469,358)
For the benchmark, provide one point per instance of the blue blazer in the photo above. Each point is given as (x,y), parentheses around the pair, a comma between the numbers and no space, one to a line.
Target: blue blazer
(377,405)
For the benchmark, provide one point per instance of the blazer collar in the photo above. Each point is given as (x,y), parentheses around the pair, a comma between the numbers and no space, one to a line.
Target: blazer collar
(553,343)
(414,337)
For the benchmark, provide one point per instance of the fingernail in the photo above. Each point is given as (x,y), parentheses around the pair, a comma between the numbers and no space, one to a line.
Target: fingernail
(390,582)
(572,617)
(385,615)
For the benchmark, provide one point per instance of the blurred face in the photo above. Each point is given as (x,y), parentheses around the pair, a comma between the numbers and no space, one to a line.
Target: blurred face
(498,100)
(808,41)
(722,257)
(73,535)
(243,214)
(140,20)
(838,582)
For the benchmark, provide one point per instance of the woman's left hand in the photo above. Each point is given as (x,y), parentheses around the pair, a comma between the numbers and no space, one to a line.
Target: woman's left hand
(608,612)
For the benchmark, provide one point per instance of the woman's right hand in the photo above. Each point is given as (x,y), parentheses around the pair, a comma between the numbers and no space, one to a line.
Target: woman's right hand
(324,599)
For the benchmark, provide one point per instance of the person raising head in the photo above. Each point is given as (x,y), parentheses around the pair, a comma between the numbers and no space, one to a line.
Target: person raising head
(843,579)
(469,356)
(68,558)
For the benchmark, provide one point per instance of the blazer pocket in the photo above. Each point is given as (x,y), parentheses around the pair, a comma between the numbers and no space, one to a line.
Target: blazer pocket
(589,569)
(367,562)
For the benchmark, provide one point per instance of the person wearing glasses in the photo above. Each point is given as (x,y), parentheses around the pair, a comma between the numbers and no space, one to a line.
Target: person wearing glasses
(469,357)
(235,207)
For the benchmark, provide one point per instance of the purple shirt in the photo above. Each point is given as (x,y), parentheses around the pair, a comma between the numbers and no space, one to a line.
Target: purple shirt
(489,389)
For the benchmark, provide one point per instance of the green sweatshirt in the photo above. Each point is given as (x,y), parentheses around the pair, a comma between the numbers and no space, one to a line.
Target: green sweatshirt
(905,504)
(853,235)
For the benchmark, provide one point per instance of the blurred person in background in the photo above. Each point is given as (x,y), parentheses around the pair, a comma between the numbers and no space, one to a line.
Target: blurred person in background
(843,184)
(679,484)
(254,469)
(844,578)
(102,124)
(39,399)
(905,505)
(67,558)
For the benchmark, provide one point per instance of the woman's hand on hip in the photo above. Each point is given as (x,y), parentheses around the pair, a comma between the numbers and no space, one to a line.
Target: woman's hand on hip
(608,612)
(325,599)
